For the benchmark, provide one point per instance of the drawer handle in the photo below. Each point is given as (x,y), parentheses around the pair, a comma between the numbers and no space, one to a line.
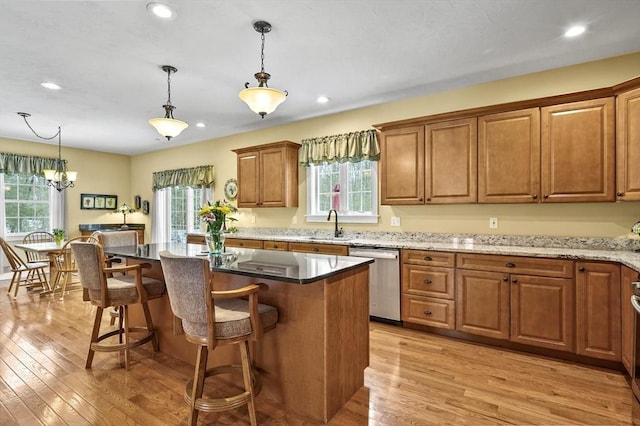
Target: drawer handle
(428,258)
(514,280)
(505,278)
(510,265)
(427,312)
(581,268)
(427,281)
(241,244)
(275,246)
(316,249)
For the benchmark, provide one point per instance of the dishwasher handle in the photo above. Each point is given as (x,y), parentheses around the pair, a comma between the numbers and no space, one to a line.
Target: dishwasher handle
(375,254)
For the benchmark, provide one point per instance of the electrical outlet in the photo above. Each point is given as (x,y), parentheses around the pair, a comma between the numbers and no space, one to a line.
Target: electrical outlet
(493,222)
(395,221)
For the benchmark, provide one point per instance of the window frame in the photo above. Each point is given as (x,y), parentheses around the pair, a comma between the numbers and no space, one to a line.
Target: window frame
(193,225)
(314,216)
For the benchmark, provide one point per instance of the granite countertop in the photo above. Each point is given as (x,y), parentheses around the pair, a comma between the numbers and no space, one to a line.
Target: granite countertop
(622,250)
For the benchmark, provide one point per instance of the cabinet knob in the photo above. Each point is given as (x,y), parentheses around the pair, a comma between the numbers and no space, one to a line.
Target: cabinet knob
(427,312)
(620,194)
(505,278)
(534,196)
(427,281)
(545,196)
(275,246)
(428,258)
(241,244)
(514,280)
(420,199)
(429,199)
(510,265)
(316,249)
(581,268)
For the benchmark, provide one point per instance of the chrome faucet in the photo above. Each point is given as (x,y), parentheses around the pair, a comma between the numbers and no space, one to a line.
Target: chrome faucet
(337,232)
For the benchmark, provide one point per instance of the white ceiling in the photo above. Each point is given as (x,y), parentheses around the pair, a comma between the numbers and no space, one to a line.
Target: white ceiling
(107,56)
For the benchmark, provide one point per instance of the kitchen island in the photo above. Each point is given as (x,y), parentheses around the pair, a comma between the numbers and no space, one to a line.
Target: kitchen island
(314,360)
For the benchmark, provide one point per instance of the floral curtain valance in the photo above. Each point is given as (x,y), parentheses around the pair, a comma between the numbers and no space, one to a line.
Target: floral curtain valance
(196,177)
(25,165)
(348,147)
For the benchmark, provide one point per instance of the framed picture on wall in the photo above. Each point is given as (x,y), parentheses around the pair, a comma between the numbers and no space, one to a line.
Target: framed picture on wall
(98,202)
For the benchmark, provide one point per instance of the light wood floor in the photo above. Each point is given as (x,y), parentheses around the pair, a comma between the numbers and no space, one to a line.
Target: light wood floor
(414,379)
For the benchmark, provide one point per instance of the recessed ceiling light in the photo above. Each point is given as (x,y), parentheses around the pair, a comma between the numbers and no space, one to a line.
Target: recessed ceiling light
(322,99)
(50,85)
(575,30)
(201,125)
(161,10)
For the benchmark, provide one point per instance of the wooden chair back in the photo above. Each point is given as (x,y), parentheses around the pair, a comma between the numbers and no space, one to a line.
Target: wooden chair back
(37,237)
(15,261)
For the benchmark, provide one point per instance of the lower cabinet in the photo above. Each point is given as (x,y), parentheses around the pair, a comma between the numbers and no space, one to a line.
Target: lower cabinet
(598,312)
(628,317)
(523,308)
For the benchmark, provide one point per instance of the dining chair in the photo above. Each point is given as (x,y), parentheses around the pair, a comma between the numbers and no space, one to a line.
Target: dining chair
(211,318)
(24,273)
(64,264)
(37,237)
(104,291)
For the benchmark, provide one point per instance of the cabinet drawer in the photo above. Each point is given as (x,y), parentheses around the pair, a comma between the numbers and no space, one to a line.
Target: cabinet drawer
(319,248)
(516,264)
(246,243)
(195,239)
(275,245)
(429,258)
(429,311)
(428,281)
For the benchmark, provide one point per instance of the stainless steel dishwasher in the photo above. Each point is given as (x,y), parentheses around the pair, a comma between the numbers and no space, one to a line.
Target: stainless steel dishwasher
(384,282)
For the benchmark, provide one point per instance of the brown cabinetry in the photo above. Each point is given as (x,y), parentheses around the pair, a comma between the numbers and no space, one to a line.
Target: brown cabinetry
(339,249)
(432,164)
(628,317)
(509,157)
(525,300)
(598,317)
(428,288)
(578,151)
(243,242)
(275,245)
(628,145)
(268,175)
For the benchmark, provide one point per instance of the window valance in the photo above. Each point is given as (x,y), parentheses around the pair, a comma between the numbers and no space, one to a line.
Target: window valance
(347,147)
(195,177)
(26,165)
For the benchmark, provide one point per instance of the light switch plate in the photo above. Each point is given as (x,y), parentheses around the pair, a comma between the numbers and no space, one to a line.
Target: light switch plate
(395,221)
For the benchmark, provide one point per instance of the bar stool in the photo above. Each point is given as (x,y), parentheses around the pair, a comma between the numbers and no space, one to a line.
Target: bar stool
(104,291)
(211,318)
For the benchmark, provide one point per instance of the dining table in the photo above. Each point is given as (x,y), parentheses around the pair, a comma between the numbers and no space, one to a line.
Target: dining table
(50,249)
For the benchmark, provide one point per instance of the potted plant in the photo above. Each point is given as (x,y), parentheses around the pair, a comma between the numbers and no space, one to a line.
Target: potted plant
(58,235)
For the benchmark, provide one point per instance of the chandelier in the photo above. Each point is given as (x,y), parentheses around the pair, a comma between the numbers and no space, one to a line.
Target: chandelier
(168,126)
(60,178)
(263,99)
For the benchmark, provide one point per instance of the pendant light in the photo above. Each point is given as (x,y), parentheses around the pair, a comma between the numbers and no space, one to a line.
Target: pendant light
(60,178)
(168,126)
(263,99)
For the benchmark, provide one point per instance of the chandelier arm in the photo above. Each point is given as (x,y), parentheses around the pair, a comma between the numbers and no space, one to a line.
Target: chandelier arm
(24,115)
(262,52)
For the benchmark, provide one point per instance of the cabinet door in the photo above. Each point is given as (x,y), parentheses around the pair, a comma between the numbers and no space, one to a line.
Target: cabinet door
(509,157)
(598,315)
(628,145)
(248,172)
(451,161)
(482,303)
(578,151)
(628,316)
(272,179)
(402,166)
(542,311)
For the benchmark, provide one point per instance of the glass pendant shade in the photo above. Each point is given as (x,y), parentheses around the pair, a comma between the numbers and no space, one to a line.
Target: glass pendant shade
(262,100)
(168,127)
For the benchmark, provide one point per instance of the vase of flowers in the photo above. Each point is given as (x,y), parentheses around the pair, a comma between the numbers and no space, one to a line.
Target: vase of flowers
(215,217)
(58,236)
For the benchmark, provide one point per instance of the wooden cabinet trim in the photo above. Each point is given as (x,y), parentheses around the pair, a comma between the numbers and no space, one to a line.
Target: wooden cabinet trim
(628,146)
(244,243)
(429,258)
(537,266)
(338,249)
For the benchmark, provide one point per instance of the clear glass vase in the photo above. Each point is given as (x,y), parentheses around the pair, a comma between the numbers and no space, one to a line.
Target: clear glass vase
(215,241)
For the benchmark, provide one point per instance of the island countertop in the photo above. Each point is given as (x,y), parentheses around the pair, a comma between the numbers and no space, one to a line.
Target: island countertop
(298,268)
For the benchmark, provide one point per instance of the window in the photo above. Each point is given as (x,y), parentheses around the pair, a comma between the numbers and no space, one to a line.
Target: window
(180,206)
(29,204)
(349,188)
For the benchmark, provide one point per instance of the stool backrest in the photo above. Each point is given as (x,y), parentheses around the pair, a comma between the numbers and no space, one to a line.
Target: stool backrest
(117,238)
(186,281)
(90,263)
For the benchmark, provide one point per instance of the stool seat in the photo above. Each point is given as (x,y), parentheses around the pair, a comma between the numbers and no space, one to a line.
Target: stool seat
(211,318)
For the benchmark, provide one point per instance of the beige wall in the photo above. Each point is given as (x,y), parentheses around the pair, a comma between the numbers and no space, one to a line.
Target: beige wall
(133,175)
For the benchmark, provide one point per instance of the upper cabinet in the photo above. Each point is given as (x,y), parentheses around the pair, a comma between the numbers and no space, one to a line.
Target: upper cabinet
(628,145)
(509,157)
(417,163)
(556,149)
(268,175)
(578,151)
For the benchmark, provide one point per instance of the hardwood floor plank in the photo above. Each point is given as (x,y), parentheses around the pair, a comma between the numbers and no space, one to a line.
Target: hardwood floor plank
(414,378)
